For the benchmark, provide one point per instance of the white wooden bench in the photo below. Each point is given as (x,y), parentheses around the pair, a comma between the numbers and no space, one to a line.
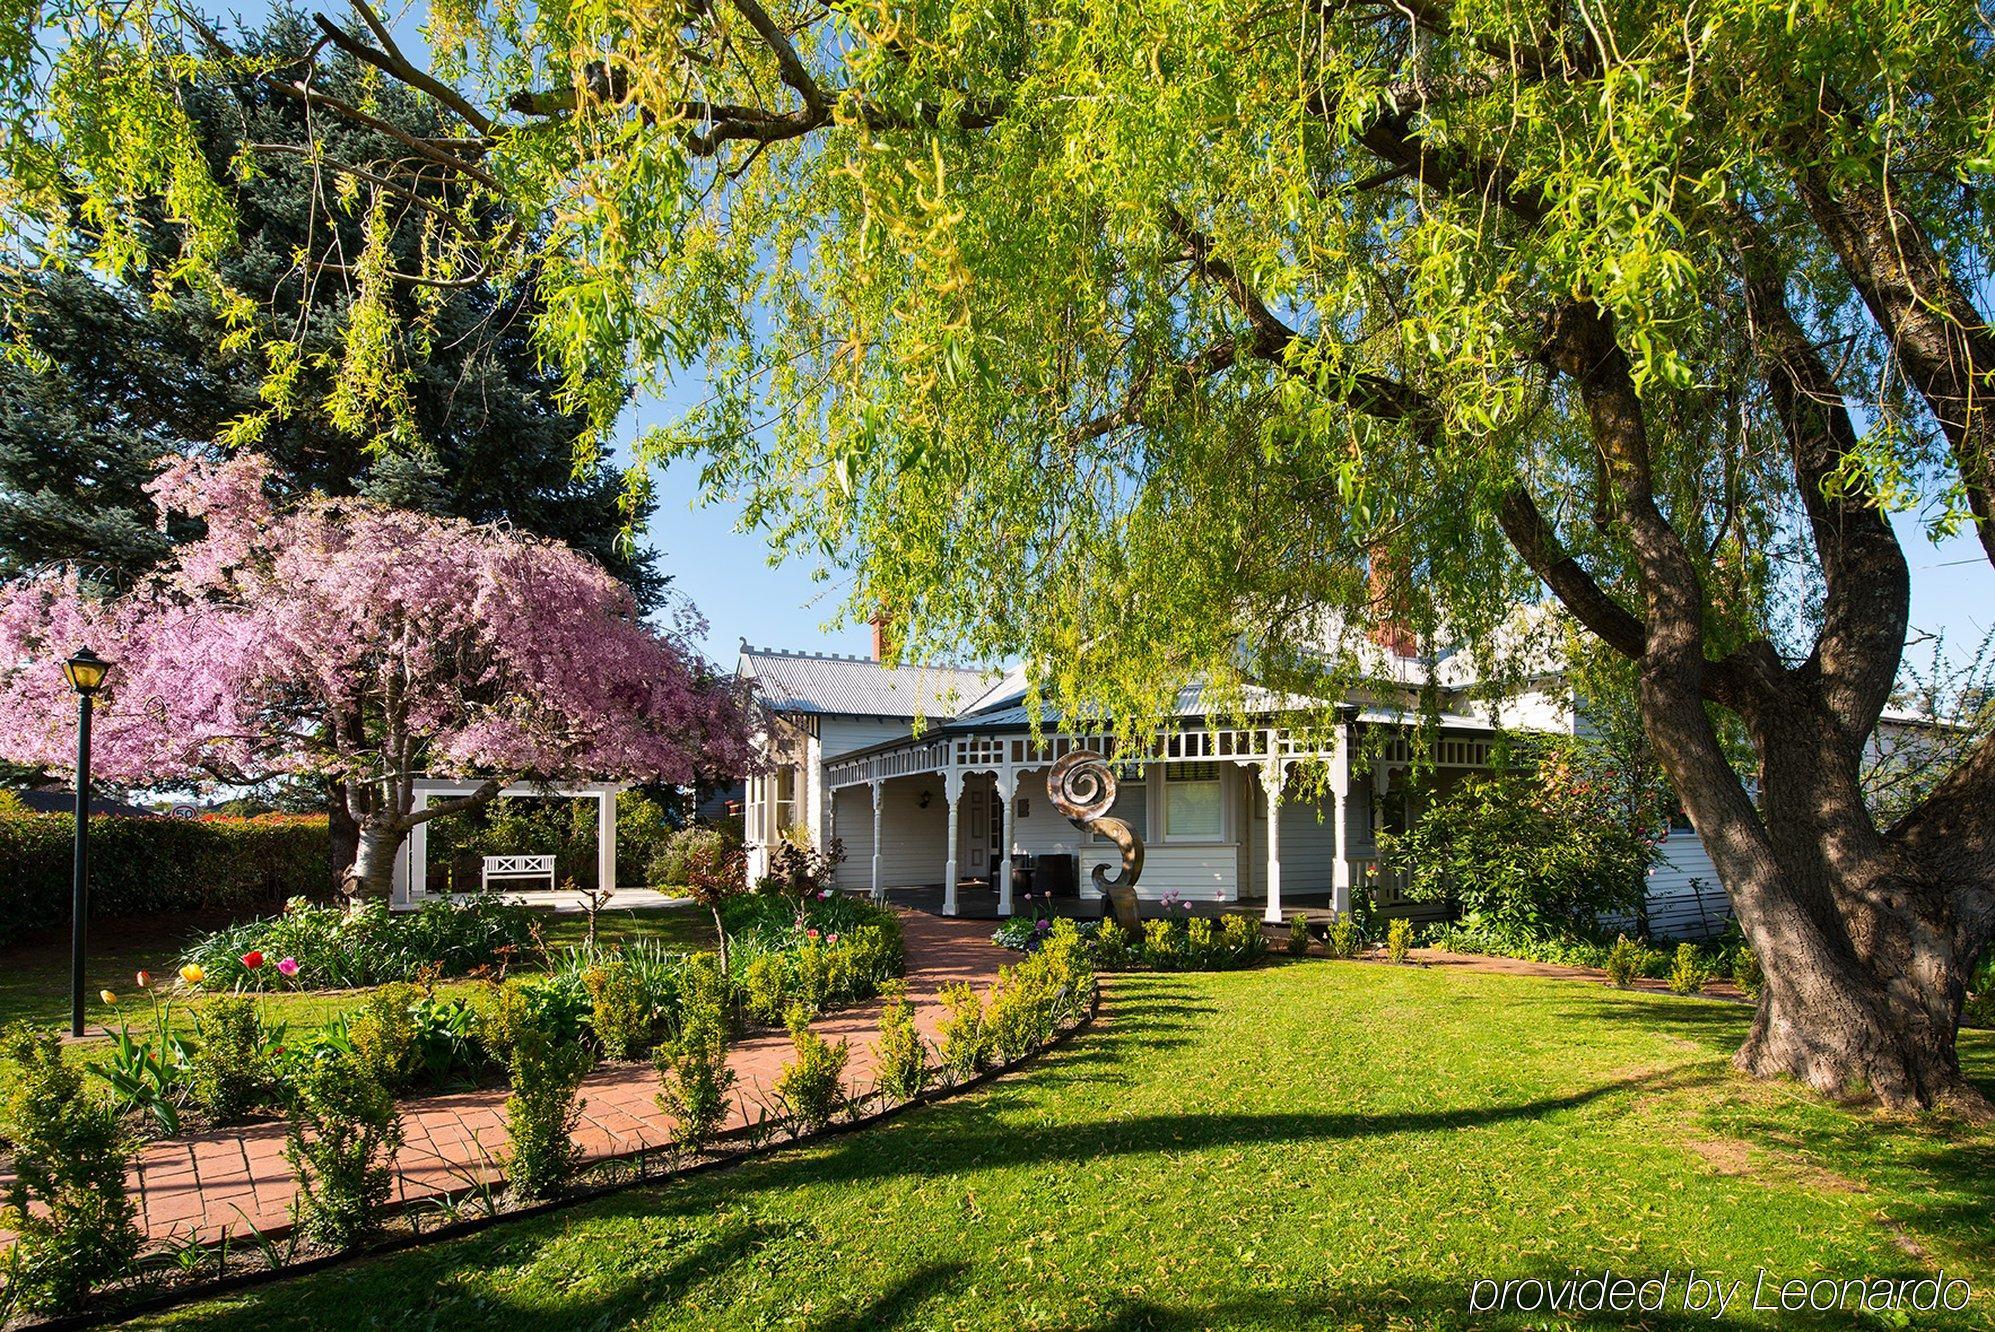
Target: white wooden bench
(517,867)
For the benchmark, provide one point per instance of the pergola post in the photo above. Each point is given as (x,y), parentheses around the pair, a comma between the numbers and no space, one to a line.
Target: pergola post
(1271,783)
(952,790)
(606,840)
(879,893)
(418,886)
(1007,782)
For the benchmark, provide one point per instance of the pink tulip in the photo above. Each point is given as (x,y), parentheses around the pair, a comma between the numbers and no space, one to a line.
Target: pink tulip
(288,967)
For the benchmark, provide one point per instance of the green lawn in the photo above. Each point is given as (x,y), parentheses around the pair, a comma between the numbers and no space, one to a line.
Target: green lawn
(1316,1144)
(34,979)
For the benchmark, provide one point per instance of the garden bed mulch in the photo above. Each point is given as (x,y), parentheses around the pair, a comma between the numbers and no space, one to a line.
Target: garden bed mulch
(236,1181)
(1513,966)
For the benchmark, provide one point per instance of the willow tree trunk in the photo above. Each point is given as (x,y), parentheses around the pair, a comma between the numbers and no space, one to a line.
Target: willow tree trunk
(1864,988)
(1866,943)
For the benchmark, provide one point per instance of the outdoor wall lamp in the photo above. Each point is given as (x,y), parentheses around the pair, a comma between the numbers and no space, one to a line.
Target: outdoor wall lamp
(85,672)
(923,802)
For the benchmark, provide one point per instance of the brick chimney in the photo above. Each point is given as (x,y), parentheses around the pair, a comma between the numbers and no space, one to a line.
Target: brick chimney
(1388,630)
(881,621)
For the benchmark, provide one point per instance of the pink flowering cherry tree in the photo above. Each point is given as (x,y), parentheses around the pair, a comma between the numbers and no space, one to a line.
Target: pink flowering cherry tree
(367,646)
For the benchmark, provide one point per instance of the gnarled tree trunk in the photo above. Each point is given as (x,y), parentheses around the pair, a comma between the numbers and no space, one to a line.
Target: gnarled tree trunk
(384,813)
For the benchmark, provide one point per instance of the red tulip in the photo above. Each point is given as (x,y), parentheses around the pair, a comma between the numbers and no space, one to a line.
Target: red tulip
(252,959)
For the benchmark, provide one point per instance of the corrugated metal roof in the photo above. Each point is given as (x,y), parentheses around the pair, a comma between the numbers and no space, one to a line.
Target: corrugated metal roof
(1255,702)
(857,686)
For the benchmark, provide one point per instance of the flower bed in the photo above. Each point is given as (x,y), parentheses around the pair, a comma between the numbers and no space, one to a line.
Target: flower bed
(1175,941)
(334,948)
(618,1003)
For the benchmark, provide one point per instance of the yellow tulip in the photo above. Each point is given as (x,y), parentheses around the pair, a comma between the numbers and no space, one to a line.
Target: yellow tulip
(192,974)
(107,996)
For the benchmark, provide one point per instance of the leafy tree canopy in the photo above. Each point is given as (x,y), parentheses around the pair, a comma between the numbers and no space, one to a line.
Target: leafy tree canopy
(117,368)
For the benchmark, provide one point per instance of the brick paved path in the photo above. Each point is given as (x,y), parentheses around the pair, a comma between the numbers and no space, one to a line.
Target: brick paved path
(232,1179)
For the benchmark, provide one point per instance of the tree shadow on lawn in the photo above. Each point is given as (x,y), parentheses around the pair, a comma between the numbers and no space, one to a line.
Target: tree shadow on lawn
(1937,1173)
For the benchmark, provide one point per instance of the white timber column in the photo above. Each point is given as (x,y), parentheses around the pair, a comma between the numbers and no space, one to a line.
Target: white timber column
(1271,783)
(879,893)
(606,840)
(1007,782)
(1340,802)
(419,852)
(952,790)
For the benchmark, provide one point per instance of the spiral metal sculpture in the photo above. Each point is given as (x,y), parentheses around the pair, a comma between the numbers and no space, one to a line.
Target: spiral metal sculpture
(1082,787)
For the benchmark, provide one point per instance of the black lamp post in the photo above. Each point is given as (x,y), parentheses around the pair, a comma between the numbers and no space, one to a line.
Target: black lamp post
(86,671)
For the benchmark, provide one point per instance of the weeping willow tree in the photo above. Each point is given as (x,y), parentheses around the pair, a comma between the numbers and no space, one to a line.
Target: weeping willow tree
(1146,341)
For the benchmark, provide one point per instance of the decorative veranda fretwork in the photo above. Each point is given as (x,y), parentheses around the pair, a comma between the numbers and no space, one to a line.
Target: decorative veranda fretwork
(1082,787)
(992,753)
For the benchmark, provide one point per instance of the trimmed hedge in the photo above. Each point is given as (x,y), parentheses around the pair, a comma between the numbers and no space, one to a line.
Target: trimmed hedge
(145,866)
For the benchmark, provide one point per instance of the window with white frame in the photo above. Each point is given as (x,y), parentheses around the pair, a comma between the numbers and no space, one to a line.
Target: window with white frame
(783,801)
(1132,802)
(1194,807)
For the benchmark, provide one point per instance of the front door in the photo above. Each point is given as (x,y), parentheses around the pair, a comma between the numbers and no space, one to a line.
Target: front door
(978,833)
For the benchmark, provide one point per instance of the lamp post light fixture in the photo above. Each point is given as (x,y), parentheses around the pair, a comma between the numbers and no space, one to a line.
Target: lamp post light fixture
(85,671)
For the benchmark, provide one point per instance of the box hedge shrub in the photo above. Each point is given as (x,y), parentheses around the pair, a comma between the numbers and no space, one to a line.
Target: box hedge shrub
(141,866)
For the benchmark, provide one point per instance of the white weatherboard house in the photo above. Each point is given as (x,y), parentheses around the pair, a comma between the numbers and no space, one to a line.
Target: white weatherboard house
(964,800)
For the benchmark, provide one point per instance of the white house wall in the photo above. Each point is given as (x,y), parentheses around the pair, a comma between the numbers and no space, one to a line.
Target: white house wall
(842,735)
(1685,898)
(911,837)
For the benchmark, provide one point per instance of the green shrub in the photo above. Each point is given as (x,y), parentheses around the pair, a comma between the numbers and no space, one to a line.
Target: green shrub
(75,1227)
(344,1132)
(383,1034)
(1344,939)
(1245,941)
(692,1067)
(644,828)
(1399,938)
(156,866)
(1543,844)
(900,1060)
(228,1073)
(964,1051)
(1113,950)
(1200,942)
(620,1008)
(1163,944)
(763,995)
(1298,935)
(811,1087)
(1067,958)
(1688,973)
(1023,1009)
(671,867)
(1625,961)
(1746,971)
(546,1066)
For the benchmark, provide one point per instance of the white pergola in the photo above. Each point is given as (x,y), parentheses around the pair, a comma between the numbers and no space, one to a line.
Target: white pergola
(412,866)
